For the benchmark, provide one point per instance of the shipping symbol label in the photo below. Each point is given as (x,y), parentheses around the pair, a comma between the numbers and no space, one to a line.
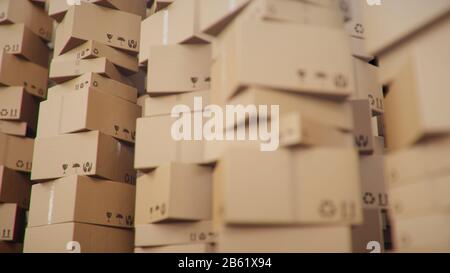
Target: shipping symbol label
(9,113)
(14,48)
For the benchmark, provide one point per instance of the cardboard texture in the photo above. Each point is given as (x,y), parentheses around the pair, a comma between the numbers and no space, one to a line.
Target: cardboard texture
(88,110)
(163,105)
(91,239)
(215,15)
(8,247)
(75,199)
(367,85)
(174,192)
(373,182)
(15,187)
(12,223)
(87,153)
(363,126)
(18,105)
(32,77)
(92,22)
(16,152)
(15,128)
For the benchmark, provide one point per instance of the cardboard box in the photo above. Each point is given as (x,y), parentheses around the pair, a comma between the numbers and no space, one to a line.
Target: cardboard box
(394,20)
(179,68)
(373,183)
(163,105)
(64,70)
(18,105)
(370,231)
(357,47)
(19,40)
(155,145)
(91,110)
(363,126)
(15,187)
(97,82)
(22,11)
(312,70)
(421,198)
(32,77)
(8,247)
(78,238)
(289,239)
(215,15)
(91,22)
(125,63)
(178,24)
(16,152)
(88,153)
(174,234)
(75,199)
(416,107)
(305,186)
(57,9)
(12,223)
(194,248)
(368,86)
(15,128)
(174,192)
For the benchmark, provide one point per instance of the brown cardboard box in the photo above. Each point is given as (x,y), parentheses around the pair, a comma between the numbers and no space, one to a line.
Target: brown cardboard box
(22,11)
(370,231)
(97,82)
(363,126)
(179,68)
(8,247)
(91,22)
(12,222)
(305,186)
(57,9)
(75,199)
(313,70)
(16,152)
(162,4)
(358,49)
(88,153)
(394,20)
(18,105)
(174,192)
(367,85)
(32,77)
(163,105)
(78,238)
(155,145)
(88,109)
(310,239)
(15,187)
(215,15)
(424,197)
(418,162)
(178,24)
(62,70)
(194,248)
(18,39)
(15,128)
(373,183)
(353,17)
(174,234)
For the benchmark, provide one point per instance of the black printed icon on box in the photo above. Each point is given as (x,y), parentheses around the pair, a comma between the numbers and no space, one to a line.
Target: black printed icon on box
(108,216)
(65,167)
(76,166)
(327,209)
(129,220)
(359,28)
(121,40)
(340,81)
(109,36)
(119,217)
(116,129)
(194,81)
(302,74)
(20,164)
(132,44)
(369,199)
(361,141)
(87,167)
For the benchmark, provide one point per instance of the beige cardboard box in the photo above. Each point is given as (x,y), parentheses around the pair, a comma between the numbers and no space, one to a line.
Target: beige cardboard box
(32,77)
(88,153)
(363,126)
(215,15)
(19,40)
(373,183)
(178,24)
(163,105)
(353,17)
(12,222)
(22,11)
(174,192)
(392,21)
(427,196)
(16,152)
(62,70)
(309,239)
(418,162)
(97,82)
(8,247)
(179,68)
(416,106)
(18,105)
(305,186)
(357,46)
(15,128)
(57,9)
(15,187)
(194,248)
(75,199)
(368,86)
(174,234)
(155,145)
(430,233)
(63,238)
(371,230)
(379,147)
(316,69)
(91,49)
(88,109)
(91,22)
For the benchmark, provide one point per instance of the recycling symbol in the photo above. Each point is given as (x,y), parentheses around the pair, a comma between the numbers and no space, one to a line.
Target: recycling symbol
(19,164)
(359,28)
(4,113)
(327,209)
(369,199)
(340,81)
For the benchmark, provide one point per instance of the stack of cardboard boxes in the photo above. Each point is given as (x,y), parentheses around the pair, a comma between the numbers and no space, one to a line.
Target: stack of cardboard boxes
(368,109)
(24,31)
(411,40)
(84,150)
